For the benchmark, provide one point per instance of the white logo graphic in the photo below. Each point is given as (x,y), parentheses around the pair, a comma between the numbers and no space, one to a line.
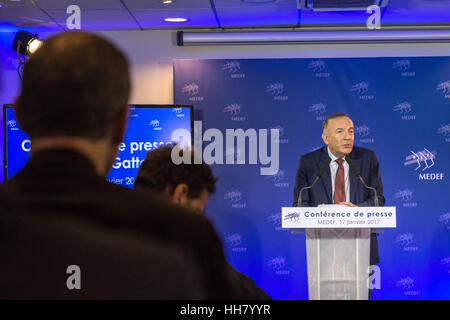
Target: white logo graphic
(234,196)
(154,123)
(74,280)
(280,130)
(405,283)
(190,89)
(276,88)
(402,65)
(233,239)
(177,110)
(404,195)
(280,134)
(275,219)
(73,22)
(374,21)
(318,108)
(424,156)
(317,65)
(12,123)
(445,130)
(277,176)
(277,263)
(234,109)
(256,140)
(445,218)
(232,66)
(362,131)
(403,107)
(444,87)
(445,262)
(360,88)
(405,239)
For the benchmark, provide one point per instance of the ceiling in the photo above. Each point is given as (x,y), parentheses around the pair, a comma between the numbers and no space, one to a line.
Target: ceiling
(50,15)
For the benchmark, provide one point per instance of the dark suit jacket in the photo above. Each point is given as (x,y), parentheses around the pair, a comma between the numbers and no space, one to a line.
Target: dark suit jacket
(128,244)
(248,289)
(364,159)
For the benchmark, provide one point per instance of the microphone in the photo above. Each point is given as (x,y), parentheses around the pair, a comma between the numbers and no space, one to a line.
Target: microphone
(358,174)
(319,174)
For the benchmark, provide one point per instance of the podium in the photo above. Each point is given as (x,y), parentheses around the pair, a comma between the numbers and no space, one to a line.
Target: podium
(338,246)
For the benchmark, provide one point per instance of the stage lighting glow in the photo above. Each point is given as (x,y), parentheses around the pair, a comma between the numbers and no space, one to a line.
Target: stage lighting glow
(26,43)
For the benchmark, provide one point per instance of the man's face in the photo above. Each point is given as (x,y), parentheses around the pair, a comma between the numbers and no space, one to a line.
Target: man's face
(338,136)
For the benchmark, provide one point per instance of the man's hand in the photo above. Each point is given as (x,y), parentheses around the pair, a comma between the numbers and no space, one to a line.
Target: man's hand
(348,204)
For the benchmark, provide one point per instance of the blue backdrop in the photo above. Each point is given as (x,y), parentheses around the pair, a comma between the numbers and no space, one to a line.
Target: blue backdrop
(401,110)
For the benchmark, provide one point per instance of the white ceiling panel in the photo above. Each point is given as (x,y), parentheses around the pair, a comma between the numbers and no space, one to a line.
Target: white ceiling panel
(83,4)
(99,19)
(176,4)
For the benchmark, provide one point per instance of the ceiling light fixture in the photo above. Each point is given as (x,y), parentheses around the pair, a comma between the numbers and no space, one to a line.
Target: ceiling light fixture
(175,19)
(167,1)
(312,37)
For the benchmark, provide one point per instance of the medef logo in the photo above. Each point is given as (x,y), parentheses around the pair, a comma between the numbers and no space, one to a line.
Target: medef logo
(445,88)
(235,240)
(445,131)
(404,108)
(178,112)
(278,264)
(280,134)
(403,65)
(405,196)
(155,124)
(318,109)
(407,284)
(445,219)
(292,217)
(406,240)
(233,68)
(12,124)
(445,263)
(275,221)
(277,90)
(235,197)
(422,161)
(363,132)
(362,89)
(319,68)
(233,110)
(278,178)
(191,90)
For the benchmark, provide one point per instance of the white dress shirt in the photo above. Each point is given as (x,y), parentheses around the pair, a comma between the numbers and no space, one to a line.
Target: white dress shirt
(333,170)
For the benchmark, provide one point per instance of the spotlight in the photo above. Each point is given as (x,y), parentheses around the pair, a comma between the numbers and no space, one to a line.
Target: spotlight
(26,43)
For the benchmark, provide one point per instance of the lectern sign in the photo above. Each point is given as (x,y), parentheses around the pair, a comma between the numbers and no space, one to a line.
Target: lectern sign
(338,217)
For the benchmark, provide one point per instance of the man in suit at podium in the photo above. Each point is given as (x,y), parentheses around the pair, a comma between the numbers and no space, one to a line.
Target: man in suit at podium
(337,183)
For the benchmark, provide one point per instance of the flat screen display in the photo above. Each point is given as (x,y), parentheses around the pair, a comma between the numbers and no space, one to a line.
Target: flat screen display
(149,126)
